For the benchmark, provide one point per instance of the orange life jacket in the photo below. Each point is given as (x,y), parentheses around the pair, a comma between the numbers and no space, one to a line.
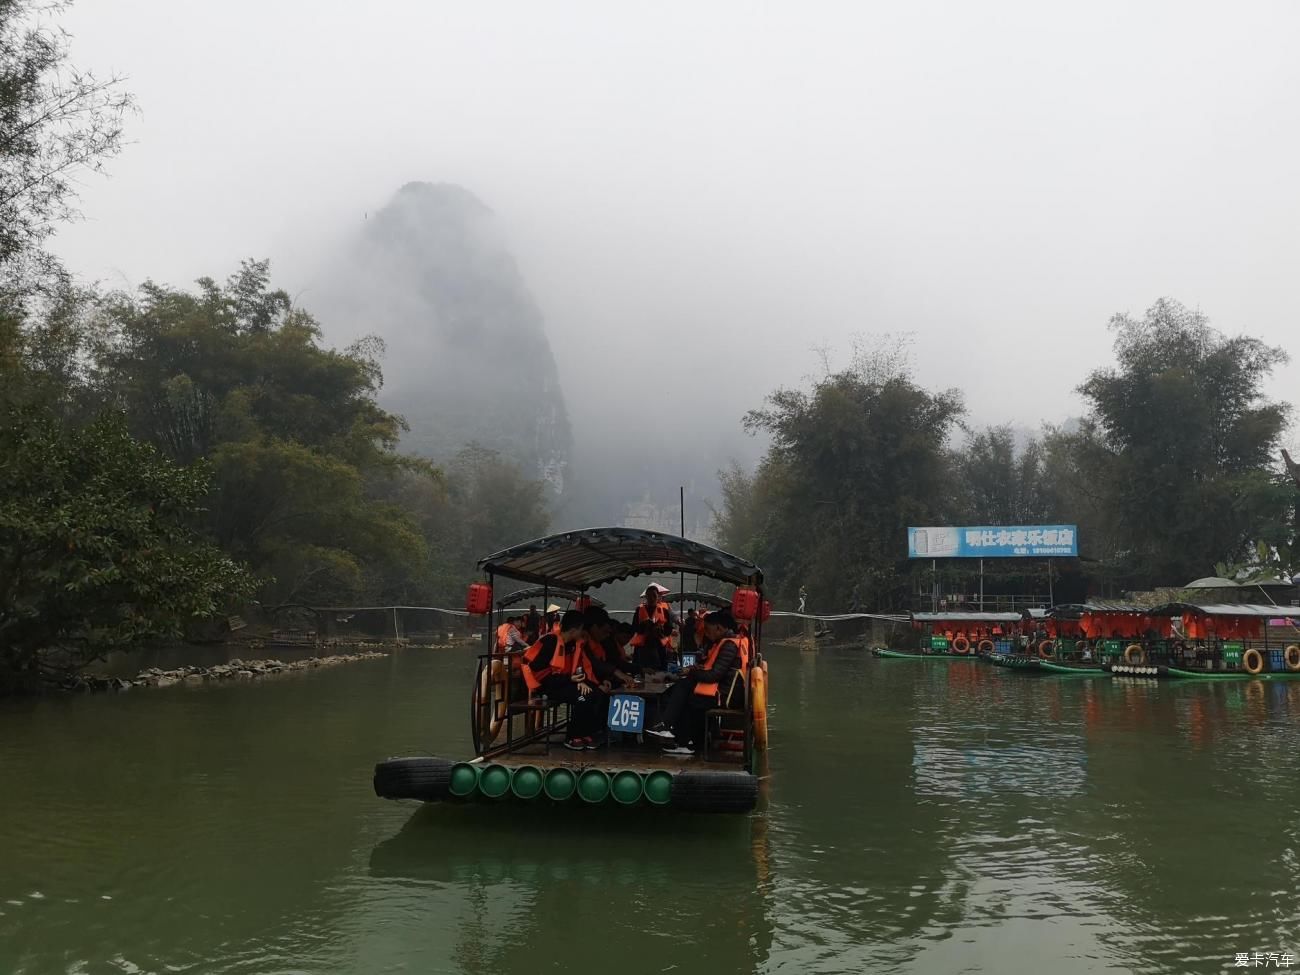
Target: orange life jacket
(571,657)
(599,652)
(503,637)
(710,688)
(534,678)
(643,614)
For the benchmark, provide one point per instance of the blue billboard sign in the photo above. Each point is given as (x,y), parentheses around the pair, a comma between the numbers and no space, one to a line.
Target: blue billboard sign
(992,541)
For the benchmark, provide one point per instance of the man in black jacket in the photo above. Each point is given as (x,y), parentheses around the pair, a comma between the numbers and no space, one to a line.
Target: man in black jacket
(604,651)
(702,687)
(573,682)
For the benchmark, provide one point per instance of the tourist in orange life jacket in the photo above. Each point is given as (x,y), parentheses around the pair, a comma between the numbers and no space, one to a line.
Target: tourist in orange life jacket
(508,636)
(558,666)
(653,623)
(703,686)
(604,650)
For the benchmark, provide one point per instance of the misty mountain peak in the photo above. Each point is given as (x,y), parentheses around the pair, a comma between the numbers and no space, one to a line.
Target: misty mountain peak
(468,359)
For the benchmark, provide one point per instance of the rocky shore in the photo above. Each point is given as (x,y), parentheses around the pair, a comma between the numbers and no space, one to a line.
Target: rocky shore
(235,670)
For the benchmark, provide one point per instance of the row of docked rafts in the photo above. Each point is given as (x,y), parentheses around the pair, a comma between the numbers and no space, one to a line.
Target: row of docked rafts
(1219,641)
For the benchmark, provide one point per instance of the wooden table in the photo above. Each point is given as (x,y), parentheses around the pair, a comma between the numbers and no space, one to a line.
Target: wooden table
(654,686)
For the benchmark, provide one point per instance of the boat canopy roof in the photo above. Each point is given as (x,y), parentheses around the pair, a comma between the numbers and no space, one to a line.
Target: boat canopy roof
(1075,610)
(971,617)
(531,593)
(1227,609)
(690,596)
(594,556)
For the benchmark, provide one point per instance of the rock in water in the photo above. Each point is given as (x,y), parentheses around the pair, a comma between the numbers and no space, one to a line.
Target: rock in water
(467,356)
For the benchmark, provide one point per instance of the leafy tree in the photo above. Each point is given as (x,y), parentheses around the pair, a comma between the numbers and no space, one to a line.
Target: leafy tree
(298,446)
(1178,450)
(56,123)
(1000,485)
(96,548)
(483,503)
(853,461)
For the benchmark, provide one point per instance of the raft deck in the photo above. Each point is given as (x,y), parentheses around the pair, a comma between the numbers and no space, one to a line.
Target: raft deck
(615,758)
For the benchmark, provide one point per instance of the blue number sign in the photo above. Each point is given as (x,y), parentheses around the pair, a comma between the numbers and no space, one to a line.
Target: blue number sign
(626,713)
(688,660)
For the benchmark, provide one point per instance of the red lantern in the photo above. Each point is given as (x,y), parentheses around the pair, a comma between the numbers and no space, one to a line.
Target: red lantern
(478,601)
(744,603)
(766,614)
(582,604)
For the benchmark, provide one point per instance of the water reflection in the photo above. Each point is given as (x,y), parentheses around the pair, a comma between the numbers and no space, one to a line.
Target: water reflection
(919,817)
(522,887)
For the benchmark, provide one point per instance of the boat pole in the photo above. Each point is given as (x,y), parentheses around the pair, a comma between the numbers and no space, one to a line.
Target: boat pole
(1051,594)
(681,498)
(981,585)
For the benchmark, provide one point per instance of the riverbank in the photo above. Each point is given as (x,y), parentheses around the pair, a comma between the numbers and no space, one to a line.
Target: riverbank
(235,670)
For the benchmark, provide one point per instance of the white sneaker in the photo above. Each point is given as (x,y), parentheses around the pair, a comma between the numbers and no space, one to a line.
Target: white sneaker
(683,751)
(659,731)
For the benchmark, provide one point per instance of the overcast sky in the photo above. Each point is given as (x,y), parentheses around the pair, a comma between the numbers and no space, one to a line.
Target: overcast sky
(747,181)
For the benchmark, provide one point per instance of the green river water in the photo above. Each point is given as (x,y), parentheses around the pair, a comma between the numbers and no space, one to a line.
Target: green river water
(920,817)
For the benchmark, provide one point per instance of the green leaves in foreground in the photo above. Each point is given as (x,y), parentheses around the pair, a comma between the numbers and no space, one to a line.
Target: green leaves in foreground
(96,548)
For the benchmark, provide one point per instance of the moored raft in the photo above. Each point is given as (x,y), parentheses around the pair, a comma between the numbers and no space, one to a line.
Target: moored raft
(905,655)
(1208,641)
(1016,661)
(956,635)
(1071,669)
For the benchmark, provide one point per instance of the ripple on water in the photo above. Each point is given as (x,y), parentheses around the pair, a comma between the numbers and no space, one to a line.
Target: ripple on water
(923,817)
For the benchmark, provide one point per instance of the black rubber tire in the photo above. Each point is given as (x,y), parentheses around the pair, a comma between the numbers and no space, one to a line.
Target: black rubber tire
(723,792)
(426,778)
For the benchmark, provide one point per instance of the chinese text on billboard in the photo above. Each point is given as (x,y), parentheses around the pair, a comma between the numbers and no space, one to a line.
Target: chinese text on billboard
(992,541)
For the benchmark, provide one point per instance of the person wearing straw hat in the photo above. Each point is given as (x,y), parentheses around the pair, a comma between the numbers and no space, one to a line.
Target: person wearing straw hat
(552,619)
(652,626)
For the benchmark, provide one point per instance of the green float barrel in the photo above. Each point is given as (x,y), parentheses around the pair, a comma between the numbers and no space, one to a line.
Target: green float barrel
(659,787)
(593,785)
(559,783)
(526,783)
(494,781)
(626,787)
(464,779)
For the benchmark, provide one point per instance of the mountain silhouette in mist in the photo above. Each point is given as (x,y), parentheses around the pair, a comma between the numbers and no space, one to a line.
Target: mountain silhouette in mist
(467,354)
